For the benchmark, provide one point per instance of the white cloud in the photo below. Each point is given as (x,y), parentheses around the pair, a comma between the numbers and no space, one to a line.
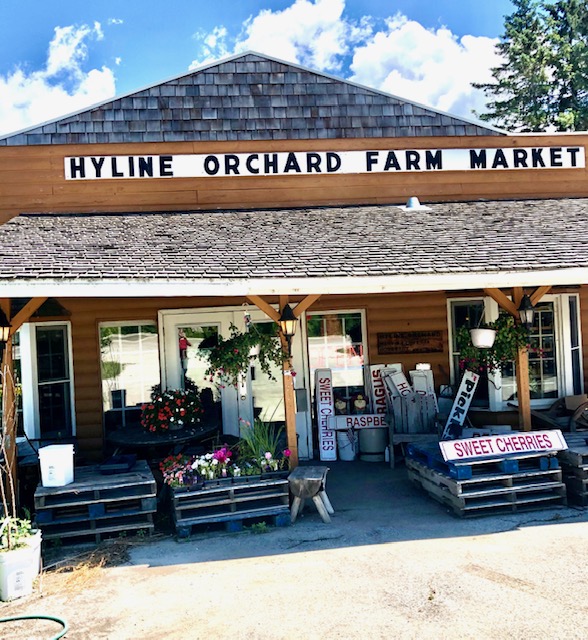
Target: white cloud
(433,67)
(312,33)
(63,86)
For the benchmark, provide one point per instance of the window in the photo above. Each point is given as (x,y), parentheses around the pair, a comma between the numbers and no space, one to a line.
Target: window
(336,342)
(43,359)
(555,362)
(129,363)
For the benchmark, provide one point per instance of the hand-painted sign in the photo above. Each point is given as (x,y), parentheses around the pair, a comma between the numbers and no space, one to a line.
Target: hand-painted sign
(325,409)
(410,342)
(366,421)
(377,389)
(321,162)
(528,442)
(461,404)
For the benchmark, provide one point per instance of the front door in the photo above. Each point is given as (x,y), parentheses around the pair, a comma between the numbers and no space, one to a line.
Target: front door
(183,332)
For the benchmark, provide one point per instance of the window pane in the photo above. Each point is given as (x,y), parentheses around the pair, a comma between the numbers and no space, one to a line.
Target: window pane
(130,369)
(268,395)
(51,354)
(335,341)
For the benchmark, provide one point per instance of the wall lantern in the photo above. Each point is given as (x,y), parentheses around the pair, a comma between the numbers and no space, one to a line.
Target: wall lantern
(4,333)
(288,323)
(526,312)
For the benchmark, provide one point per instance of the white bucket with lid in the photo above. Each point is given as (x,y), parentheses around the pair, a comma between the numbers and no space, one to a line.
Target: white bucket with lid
(57,465)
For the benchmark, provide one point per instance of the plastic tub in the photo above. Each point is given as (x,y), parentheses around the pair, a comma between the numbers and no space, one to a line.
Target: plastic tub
(57,465)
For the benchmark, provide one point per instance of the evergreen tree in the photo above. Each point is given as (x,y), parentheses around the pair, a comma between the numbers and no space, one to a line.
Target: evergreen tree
(567,30)
(521,89)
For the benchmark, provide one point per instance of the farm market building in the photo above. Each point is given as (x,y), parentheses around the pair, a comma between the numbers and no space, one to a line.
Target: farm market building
(253,182)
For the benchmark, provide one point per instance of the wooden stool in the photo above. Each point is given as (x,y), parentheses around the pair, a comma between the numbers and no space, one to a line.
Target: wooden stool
(309,482)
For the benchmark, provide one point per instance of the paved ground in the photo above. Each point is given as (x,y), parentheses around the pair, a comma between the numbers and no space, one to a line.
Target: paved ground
(393,564)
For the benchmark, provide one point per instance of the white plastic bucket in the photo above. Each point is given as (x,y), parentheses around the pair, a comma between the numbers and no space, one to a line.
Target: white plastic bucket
(347,444)
(19,568)
(57,465)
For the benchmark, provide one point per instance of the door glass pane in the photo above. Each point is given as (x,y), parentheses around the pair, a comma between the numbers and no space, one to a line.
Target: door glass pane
(54,391)
(193,339)
(267,394)
(335,341)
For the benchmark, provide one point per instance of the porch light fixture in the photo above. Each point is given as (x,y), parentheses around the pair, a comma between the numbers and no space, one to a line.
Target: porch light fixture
(288,324)
(4,333)
(526,312)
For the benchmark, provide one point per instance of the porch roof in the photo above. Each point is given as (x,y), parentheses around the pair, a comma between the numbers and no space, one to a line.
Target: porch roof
(450,246)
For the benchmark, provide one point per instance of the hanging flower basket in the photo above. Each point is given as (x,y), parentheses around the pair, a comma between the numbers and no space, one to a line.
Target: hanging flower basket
(483,338)
(230,358)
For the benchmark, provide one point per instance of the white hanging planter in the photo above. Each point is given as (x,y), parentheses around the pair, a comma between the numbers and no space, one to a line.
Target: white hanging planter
(483,338)
(254,351)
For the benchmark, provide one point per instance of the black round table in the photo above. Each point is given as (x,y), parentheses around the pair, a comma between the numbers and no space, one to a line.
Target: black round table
(136,437)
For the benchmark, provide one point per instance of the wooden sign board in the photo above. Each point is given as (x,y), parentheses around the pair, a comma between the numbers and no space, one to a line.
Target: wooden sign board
(325,409)
(410,342)
(461,404)
(510,443)
(366,421)
(377,389)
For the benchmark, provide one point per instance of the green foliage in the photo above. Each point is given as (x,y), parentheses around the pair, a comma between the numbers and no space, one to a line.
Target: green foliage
(14,533)
(259,439)
(510,337)
(111,369)
(231,357)
(258,528)
(174,408)
(543,81)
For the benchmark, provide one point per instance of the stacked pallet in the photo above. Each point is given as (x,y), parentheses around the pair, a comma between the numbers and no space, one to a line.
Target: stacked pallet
(574,464)
(97,506)
(233,503)
(511,483)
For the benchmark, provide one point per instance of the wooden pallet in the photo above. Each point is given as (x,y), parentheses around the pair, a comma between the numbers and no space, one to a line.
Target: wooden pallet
(490,494)
(429,454)
(231,503)
(486,484)
(574,464)
(96,506)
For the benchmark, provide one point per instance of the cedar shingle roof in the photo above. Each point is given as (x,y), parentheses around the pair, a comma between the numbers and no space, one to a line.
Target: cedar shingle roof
(450,238)
(249,97)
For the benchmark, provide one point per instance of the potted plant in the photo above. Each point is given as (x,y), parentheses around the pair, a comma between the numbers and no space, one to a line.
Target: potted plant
(230,358)
(509,338)
(20,543)
(172,410)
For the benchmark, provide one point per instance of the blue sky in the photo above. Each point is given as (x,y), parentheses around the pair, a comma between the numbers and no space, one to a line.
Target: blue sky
(59,56)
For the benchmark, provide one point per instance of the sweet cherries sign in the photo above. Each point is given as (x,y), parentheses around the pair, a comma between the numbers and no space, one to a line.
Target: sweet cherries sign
(512,443)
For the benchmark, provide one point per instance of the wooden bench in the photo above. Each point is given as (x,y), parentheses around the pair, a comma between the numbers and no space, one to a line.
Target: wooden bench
(309,482)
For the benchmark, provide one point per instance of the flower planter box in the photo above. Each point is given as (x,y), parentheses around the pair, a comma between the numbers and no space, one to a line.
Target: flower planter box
(232,503)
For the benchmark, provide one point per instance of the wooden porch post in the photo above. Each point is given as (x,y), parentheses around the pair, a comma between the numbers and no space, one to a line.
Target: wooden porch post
(9,414)
(9,421)
(287,377)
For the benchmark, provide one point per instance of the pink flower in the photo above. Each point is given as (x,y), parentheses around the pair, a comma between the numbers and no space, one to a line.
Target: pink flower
(268,455)
(287,453)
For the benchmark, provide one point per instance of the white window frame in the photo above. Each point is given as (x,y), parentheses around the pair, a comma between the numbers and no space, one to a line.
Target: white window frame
(30,377)
(562,334)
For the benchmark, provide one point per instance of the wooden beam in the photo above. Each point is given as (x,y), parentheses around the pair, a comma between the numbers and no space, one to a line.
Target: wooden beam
(503,302)
(10,478)
(523,389)
(517,295)
(303,305)
(24,315)
(259,302)
(538,294)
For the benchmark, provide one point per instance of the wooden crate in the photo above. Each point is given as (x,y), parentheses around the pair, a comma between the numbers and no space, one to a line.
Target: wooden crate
(233,503)
(490,493)
(97,506)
